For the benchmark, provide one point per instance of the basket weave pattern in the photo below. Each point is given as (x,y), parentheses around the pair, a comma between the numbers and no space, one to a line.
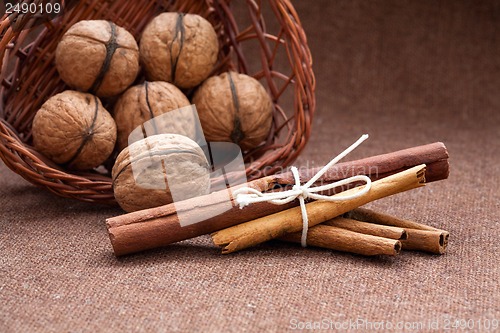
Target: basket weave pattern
(28,78)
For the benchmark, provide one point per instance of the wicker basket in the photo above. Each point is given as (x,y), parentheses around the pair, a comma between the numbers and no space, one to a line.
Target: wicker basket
(271,32)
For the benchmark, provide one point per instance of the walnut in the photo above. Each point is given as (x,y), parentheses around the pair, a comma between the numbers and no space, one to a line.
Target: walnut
(234,107)
(159,169)
(99,57)
(147,101)
(74,129)
(179,48)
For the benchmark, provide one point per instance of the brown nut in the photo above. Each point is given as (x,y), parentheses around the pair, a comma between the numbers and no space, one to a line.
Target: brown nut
(159,169)
(144,102)
(99,57)
(235,108)
(179,48)
(74,129)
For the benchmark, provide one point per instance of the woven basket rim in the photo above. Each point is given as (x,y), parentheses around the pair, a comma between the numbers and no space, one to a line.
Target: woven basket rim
(16,100)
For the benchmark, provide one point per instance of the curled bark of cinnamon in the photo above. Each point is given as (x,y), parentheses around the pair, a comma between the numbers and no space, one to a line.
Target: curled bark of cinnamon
(160,226)
(421,237)
(340,239)
(369,228)
(276,225)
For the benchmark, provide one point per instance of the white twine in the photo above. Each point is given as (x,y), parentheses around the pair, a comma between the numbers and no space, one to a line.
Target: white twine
(246,195)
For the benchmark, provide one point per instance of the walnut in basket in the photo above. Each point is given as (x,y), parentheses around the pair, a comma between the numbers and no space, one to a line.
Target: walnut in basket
(147,102)
(99,57)
(74,129)
(179,48)
(159,169)
(234,107)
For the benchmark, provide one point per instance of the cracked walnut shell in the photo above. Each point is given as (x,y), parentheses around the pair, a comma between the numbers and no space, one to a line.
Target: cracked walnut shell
(234,107)
(99,57)
(179,48)
(159,170)
(146,103)
(74,129)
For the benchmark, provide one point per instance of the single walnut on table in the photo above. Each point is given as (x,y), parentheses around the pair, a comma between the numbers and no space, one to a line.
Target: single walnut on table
(144,104)
(159,169)
(235,108)
(99,57)
(74,129)
(179,48)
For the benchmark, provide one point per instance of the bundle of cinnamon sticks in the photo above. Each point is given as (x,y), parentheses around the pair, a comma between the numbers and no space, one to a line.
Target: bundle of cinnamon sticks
(366,232)
(360,231)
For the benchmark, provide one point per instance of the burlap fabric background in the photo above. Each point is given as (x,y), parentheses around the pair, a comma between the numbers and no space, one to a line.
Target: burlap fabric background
(407,73)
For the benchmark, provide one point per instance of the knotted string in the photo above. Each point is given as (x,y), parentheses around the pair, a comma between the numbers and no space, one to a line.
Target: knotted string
(246,195)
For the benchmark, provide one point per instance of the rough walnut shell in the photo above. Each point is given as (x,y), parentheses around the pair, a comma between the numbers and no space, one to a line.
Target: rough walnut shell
(144,172)
(73,128)
(144,102)
(179,48)
(234,107)
(99,57)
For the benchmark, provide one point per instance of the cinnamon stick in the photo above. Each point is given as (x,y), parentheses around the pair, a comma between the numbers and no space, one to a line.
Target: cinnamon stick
(160,226)
(368,228)
(421,237)
(432,241)
(273,226)
(340,239)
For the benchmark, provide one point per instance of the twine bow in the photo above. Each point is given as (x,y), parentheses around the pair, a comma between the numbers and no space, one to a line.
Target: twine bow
(246,195)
